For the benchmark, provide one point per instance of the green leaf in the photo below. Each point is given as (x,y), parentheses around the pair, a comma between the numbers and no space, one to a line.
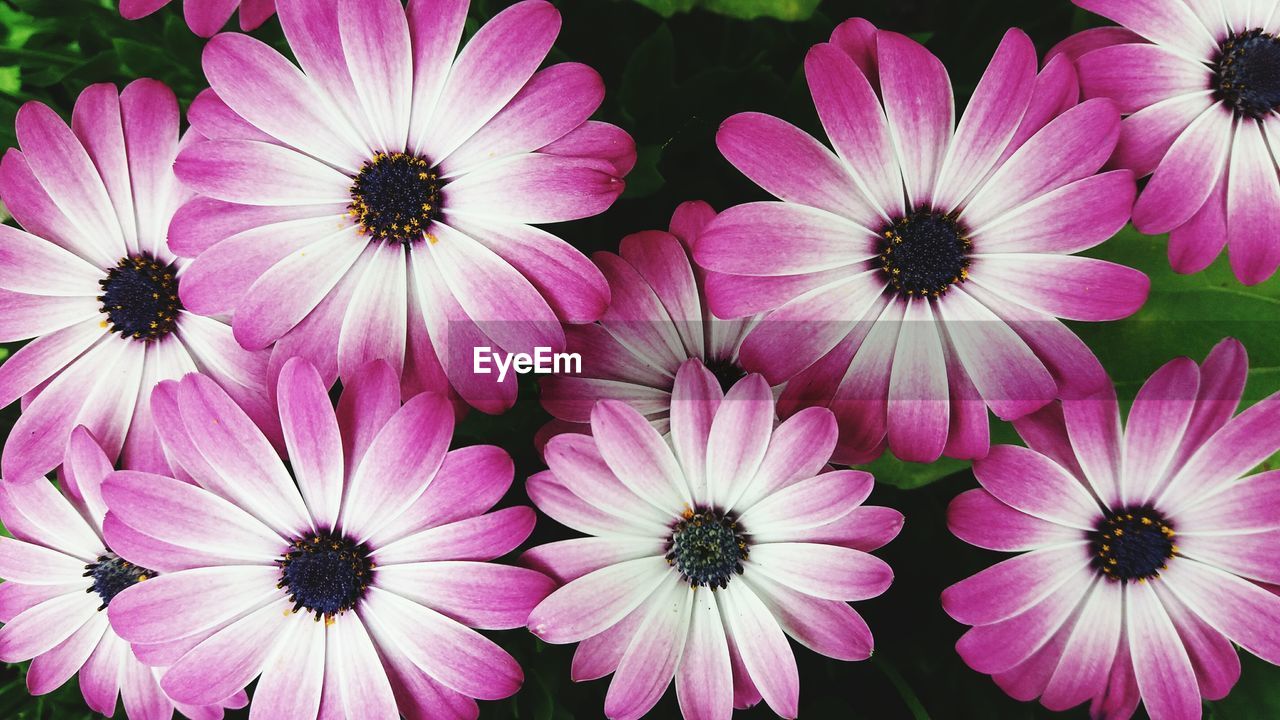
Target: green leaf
(909,475)
(645,179)
(1185,315)
(741,9)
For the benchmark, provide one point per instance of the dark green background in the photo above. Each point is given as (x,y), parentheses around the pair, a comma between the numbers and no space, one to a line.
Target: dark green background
(675,69)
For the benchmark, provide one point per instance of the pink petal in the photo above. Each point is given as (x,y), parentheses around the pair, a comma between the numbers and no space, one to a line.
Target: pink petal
(978,518)
(1009,377)
(1138,75)
(919,404)
(596,600)
(400,462)
(825,571)
(1160,663)
(275,97)
(312,437)
(639,456)
(1070,147)
(1253,205)
(1012,587)
(1157,420)
(992,116)
(765,654)
(1175,27)
(739,436)
(490,70)
(649,663)
(555,101)
(375,41)
(451,653)
(704,677)
(921,111)
(477,594)
(1185,177)
(829,627)
(791,165)
(569,560)
(172,606)
(225,663)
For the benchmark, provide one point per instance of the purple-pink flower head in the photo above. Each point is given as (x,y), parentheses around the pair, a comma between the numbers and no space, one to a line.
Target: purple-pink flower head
(658,319)
(706,549)
(377,203)
(349,589)
(1199,82)
(916,276)
(1146,550)
(206,17)
(93,285)
(60,577)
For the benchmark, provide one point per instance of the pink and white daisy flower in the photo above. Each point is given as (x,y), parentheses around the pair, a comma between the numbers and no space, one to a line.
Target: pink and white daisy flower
(1146,551)
(350,593)
(706,550)
(656,321)
(60,576)
(1200,83)
(377,204)
(93,282)
(206,17)
(915,277)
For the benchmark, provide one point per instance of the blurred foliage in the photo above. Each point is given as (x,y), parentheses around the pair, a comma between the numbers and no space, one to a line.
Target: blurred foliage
(674,70)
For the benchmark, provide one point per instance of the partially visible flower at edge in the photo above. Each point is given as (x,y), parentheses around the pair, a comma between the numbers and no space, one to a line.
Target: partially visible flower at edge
(1146,551)
(60,577)
(93,282)
(1199,83)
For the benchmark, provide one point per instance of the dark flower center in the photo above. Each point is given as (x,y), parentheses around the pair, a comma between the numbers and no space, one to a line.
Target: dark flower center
(113,575)
(140,297)
(924,253)
(1247,72)
(396,197)
(726,372)
(325,573)
(1132,544)
(707,548)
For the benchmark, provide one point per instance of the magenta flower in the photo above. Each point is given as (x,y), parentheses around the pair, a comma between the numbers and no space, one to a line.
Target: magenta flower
(206,17)
(1199,82)
(351,593)
(59,577)
(376,205)
(1144,550)
(657,320)
(94,283)
(915,276)
(706,552)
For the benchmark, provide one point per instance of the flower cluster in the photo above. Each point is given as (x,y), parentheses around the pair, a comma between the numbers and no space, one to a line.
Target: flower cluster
(219,533)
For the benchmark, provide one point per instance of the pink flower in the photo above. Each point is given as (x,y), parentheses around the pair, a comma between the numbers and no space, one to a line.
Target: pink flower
(94,283)
(377,204)
(915,276)
(59,577)
(706,552)
(1199,82)
(351,593)
(206,17)
(657,320)
(1143,548)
